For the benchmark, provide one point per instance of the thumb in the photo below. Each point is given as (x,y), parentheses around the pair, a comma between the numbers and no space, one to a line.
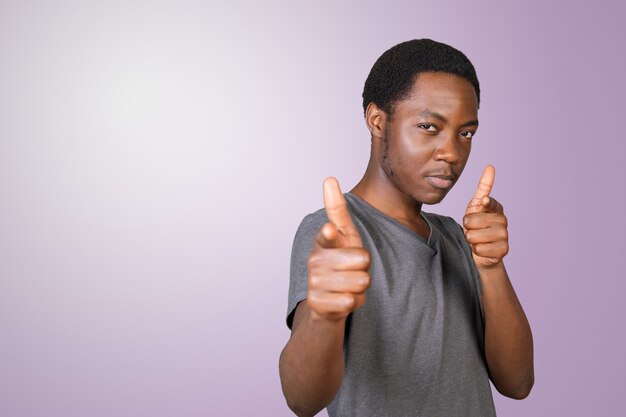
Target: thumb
(337,212)
(328,237)
(483,190)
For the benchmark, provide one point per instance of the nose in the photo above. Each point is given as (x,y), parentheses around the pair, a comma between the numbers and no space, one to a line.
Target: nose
(447,149)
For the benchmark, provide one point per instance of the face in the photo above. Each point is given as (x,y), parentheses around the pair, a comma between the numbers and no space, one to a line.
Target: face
(427,141)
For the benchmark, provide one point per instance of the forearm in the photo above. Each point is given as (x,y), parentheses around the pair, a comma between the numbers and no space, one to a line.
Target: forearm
(508,338)
(312,362)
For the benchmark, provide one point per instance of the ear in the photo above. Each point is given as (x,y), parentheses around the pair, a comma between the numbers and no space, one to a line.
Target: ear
(375,119)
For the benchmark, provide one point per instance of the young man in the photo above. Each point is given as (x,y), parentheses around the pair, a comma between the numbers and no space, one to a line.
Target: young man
(395,311)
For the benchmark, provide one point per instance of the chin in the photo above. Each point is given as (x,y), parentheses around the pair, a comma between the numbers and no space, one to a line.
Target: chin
(433,199)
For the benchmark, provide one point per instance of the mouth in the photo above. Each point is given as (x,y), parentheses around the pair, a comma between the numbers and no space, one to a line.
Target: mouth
(441,181)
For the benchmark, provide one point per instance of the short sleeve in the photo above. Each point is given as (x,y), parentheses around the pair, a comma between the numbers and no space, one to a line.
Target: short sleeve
(302,246)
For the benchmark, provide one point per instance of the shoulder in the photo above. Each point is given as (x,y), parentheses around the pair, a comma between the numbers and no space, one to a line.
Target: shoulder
(307,230)
(312,222)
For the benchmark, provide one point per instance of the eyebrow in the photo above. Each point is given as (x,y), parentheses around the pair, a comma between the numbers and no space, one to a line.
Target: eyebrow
(438,116)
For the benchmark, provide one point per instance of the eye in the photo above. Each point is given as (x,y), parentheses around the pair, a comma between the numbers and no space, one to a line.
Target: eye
(428,127)
(467,134)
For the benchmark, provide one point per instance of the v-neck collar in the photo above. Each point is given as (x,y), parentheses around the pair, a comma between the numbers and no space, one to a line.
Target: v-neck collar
(432,237)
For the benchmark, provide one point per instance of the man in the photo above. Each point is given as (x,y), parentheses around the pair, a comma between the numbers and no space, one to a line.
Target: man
(395,311)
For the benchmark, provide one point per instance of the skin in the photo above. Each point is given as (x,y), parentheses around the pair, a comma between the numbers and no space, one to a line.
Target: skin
(427,137)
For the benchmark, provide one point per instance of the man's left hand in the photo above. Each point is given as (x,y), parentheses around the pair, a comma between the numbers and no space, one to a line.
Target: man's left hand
(485,224)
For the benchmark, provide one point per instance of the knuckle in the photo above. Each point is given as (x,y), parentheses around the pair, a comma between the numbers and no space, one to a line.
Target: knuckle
(367,280)
(314,280)
(313,298)
(315,258)
(359,301)
(349,302)
(366,258)
(362,282)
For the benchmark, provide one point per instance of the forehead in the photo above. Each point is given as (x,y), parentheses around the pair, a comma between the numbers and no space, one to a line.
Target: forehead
(447,94)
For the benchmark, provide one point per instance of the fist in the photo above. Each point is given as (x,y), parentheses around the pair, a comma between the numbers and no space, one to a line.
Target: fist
(338,265)
(485,224)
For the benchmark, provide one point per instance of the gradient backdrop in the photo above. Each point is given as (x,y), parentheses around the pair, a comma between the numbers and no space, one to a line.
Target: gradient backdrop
(156,158)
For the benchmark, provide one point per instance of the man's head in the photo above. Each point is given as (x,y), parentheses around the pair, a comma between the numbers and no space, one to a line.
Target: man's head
(421,107)
(394,73)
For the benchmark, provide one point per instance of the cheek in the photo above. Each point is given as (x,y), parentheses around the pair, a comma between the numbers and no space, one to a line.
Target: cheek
(406,159)
(405,150)
(414,149)
(394,158)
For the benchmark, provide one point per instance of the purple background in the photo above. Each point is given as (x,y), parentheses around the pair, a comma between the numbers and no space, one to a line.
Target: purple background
(156,158)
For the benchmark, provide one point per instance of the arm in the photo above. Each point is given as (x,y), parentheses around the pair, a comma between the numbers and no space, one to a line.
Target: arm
(312,363)
(508,338)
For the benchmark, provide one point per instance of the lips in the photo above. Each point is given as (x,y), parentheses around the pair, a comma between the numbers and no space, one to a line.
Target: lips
(441,181)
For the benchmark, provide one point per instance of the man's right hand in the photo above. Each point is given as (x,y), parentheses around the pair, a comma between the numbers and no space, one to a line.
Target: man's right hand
(338,264)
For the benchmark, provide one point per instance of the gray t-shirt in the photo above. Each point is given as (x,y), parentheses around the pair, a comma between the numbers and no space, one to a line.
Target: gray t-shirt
(416,347)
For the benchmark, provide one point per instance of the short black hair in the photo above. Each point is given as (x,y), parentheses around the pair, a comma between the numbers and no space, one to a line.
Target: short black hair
(393,74)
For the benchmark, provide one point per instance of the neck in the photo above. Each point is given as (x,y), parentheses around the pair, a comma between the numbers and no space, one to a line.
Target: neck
(381,193)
